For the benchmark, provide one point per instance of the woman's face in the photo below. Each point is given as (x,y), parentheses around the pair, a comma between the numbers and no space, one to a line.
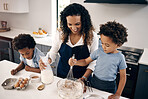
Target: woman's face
(26,52)
(74,23)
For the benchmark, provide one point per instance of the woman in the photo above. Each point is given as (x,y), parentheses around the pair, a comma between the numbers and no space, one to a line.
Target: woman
(75,36)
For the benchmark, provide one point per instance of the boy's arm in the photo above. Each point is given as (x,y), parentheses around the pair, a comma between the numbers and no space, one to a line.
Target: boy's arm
(82,62)
(121,85)
(32,69)
(20,67)
(86,75)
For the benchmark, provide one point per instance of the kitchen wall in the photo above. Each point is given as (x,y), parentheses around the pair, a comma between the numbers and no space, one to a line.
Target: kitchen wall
(133,16)
(40,15)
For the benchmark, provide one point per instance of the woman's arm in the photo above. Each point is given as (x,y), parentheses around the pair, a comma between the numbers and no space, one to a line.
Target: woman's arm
(121,85)
(56,43)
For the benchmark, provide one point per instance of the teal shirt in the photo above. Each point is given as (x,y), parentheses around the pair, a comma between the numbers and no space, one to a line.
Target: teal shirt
(107,65)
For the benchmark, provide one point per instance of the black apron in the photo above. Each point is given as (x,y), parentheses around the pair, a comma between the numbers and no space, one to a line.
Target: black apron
(65,51)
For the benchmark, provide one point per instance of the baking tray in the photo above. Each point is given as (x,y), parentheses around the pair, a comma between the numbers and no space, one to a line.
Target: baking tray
(9,83)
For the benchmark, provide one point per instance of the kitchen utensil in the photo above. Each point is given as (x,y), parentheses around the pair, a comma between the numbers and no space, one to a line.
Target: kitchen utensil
(89,86)
(70,73)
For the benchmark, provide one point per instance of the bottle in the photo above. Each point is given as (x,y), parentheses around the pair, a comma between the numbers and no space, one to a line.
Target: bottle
(46,74)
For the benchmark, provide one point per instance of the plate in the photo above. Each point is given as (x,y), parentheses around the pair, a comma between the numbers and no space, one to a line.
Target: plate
(39,36)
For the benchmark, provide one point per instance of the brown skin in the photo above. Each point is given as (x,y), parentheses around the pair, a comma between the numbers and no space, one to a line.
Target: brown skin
(28,54)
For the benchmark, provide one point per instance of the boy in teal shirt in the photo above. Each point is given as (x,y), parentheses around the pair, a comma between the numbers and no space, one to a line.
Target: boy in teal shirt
(109,60)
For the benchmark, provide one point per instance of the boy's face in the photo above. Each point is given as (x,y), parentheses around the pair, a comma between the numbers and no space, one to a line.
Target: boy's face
(26,52)
(107,44)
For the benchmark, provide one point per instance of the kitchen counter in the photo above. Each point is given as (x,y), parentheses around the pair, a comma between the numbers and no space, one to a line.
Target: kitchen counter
(14,32)
(144,57)
(31,92)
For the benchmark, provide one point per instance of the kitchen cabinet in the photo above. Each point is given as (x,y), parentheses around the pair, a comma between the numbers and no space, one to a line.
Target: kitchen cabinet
(142,83)
(6,51)
(14,6)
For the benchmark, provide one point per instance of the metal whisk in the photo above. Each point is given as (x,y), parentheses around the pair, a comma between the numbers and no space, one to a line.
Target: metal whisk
(70,73)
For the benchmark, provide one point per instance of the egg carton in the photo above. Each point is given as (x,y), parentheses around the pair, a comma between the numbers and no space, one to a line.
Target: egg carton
(10,83)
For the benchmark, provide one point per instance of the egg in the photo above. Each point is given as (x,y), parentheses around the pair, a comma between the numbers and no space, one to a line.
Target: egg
(22,85)
(24,82)
(17,85)
(26,79)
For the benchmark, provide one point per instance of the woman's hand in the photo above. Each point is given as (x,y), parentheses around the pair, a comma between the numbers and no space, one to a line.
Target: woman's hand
(13,71)
(41,64)
(72,61)
(114,96)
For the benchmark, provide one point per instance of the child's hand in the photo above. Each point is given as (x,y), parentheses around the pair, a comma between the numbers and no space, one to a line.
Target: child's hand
(27,68)
(13,71)
(41,64)
(72,61)
(114,96)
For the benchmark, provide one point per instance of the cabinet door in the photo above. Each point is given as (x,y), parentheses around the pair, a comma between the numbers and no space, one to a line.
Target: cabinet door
(6,52)
(142,83)
(15,6)
(2,5)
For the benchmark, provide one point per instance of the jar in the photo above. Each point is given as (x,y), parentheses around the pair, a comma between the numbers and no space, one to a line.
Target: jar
(46,74)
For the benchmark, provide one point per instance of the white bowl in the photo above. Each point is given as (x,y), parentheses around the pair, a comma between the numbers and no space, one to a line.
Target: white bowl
(35,78)
(40,36)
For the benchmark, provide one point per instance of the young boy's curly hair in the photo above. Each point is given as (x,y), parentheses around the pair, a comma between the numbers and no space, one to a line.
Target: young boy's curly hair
(23,41)
(86,28)
(116,31)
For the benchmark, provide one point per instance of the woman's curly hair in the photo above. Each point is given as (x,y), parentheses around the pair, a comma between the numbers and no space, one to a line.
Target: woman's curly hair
(23,41)
(86,28)
(116,31)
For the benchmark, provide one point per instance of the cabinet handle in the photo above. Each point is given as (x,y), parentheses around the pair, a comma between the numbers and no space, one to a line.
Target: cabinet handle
(146,71)
(4,6)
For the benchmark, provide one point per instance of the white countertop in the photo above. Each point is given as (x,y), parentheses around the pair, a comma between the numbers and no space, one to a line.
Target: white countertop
(144,57)
(14,32)
(31,92)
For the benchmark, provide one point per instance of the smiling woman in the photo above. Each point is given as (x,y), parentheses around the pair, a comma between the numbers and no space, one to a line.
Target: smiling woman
(75,36)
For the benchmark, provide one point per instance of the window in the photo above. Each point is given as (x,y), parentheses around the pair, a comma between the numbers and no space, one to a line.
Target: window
(61,5)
